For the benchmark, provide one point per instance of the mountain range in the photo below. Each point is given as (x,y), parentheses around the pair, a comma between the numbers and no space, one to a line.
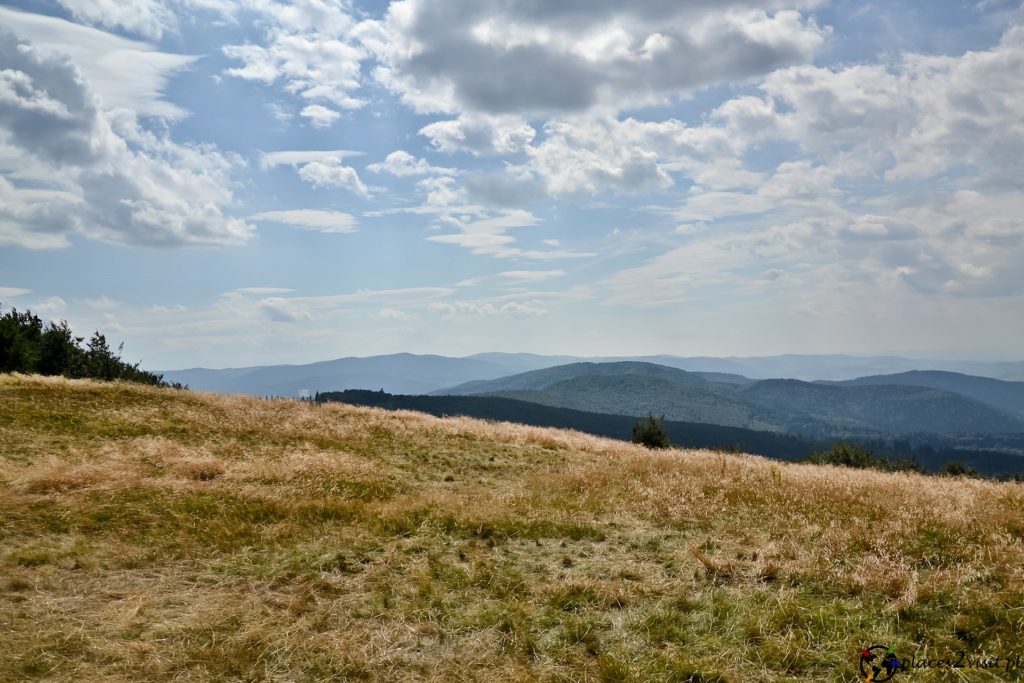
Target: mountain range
(405,373)
(887,405)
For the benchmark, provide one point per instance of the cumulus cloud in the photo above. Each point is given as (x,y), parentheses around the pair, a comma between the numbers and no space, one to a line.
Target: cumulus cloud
(585,156)
(395,314)
(299,157)
(511,187)
(402,164)
(307,46)
(112,179)
(51,305)
(311,219)
(148,18)
(320,116)
(590,154)
(464,309)
(460,55)
(480,134)
(126,74)
(332,172)
(906,177)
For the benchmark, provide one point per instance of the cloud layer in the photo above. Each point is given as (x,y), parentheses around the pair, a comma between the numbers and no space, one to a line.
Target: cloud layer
(103,175)
(514,161)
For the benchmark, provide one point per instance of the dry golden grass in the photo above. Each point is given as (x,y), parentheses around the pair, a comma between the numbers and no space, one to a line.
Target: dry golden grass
(159,535)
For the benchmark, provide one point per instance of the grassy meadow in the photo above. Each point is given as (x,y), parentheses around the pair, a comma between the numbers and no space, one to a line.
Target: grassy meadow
(162,535)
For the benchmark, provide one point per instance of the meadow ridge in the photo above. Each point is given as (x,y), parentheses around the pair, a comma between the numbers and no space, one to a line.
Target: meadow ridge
(152,534)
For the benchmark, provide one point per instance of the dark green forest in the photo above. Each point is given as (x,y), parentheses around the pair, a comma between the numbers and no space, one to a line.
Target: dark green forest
(30,347)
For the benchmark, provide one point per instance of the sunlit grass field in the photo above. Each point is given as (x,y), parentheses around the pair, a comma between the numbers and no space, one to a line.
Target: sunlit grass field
(161,535)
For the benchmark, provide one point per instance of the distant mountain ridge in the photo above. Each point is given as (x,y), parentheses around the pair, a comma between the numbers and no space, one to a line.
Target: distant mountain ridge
(812,409)
(1008,396)
(400,373)
(416,374)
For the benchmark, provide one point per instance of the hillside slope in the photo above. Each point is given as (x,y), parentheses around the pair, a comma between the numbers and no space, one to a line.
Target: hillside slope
(686,434)
(164,535)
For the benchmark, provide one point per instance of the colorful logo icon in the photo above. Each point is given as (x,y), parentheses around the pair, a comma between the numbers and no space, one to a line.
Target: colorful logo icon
(878,664)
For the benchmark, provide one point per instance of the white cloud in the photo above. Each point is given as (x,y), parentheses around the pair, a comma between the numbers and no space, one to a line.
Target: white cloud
(530,275)
(480,134)
(395,315)
(460,309)
(281,113)
(460,55)
(114,180)
(487,235)
(299,157)
(402,164)
(52,305)
(307,45)
(284,310)
(513,278)
(850,205)
(311,219)
(319,116)
(464,309)
(127,74)
(332,172)
(480,229)
(36,219)
(523,309)
(11,292)
(148,18)
(593,154)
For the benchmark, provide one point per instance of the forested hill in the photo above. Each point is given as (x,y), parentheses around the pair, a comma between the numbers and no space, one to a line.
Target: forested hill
(819,410)
(1008,396)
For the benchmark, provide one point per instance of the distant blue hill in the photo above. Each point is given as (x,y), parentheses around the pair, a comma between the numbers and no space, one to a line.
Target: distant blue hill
(399,373)
(1008,396)
(417,374)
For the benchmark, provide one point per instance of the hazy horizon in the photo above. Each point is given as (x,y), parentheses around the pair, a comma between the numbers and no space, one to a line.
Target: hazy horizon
(229,183)
(613,357)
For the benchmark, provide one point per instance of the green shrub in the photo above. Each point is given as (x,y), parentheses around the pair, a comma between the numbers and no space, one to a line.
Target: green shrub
(852,454)
(651,432)
(958,468)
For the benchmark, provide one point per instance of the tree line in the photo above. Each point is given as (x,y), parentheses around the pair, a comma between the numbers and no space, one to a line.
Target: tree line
(28,346)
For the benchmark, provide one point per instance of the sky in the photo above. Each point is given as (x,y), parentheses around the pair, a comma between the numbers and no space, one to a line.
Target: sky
(224,183)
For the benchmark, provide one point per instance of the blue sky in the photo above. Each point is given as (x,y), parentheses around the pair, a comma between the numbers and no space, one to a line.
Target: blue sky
(235,182)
